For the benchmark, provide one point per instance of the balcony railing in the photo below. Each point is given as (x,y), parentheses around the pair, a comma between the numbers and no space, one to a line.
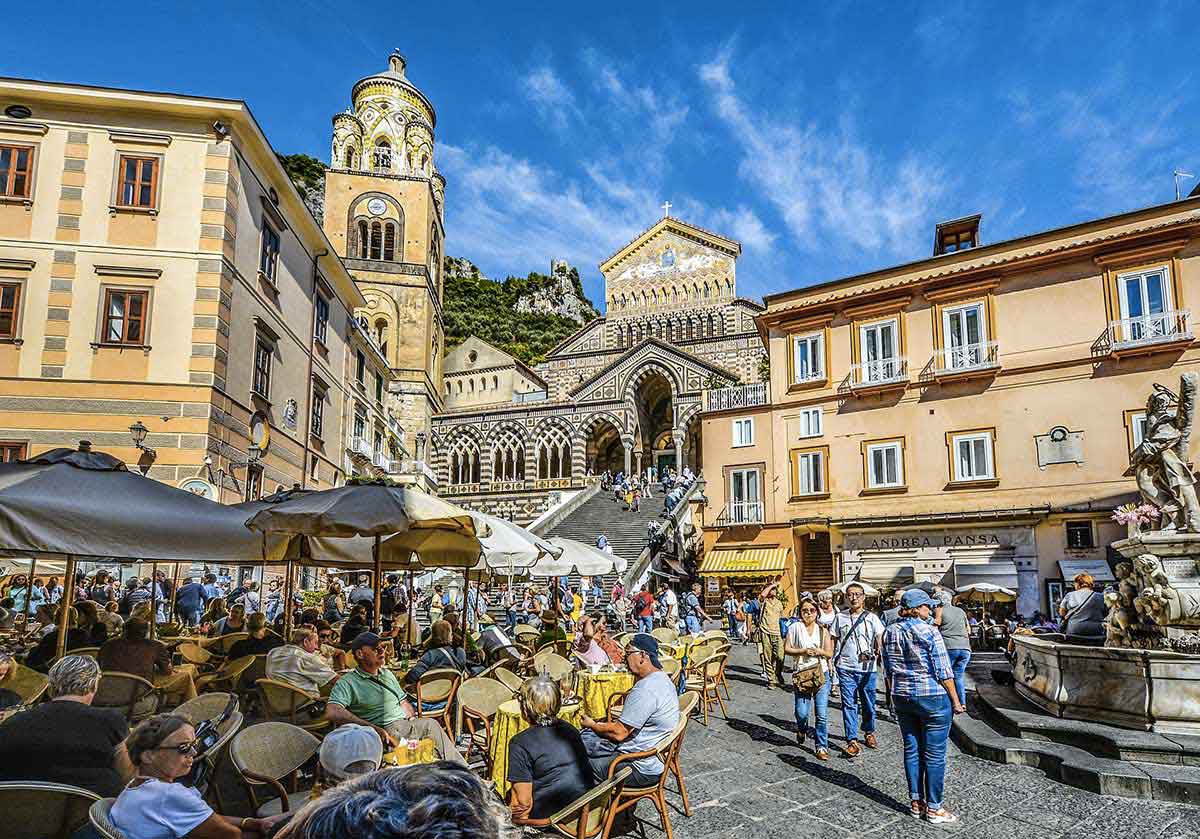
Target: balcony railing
(361,446)
(739,396)
(966,358)
(741,512)
(382,461)
(1161,328)
(884,371)
(409,466)
(532,396)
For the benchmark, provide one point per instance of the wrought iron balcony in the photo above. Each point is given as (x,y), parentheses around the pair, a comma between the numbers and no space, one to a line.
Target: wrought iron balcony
(361,447)
(967,358)
(1148,330)
(738,396)
(882,373)
(741,513)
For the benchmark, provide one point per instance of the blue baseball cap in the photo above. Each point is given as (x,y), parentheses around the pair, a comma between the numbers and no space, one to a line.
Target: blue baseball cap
(914,597)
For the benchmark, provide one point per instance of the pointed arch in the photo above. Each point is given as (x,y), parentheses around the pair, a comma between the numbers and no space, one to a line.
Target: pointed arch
(462,457)
(507,452)
(381,155)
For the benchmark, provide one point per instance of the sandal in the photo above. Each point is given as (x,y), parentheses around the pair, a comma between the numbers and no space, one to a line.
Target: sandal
(940,816)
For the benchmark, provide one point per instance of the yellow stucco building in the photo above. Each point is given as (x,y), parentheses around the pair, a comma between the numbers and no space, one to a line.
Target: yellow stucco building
(161,276)
(963,418)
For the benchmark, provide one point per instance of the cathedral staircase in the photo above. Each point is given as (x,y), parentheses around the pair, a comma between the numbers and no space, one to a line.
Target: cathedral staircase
(602,514)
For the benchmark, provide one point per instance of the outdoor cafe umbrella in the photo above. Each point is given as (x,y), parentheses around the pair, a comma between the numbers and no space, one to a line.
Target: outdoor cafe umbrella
(376,511)
(985,593)
(82,503)
(578,558)
(840,588)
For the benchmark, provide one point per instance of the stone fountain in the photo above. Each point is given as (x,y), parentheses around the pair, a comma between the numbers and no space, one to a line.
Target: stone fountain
(1147,675)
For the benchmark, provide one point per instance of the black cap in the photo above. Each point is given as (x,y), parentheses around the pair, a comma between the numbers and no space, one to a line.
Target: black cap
(647,644)
(365,639)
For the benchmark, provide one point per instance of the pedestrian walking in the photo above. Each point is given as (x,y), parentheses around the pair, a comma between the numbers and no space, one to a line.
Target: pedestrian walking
(770,638)
(693,613)
(812,646)
(926,700)
(859,636)
(953,626)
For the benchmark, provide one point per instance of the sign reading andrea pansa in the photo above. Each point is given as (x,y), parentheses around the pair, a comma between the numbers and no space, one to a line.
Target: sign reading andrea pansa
(1000,537)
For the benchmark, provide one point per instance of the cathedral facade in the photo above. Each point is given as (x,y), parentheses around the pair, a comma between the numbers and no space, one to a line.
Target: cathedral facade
(623,393)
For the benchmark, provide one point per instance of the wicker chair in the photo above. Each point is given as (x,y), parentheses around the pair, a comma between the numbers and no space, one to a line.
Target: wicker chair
(100,816)
(508,678)
(266,754)
(526,635)
(244,687)
(480,698)
(192,653)
(722,649)
(665,635)
(285,702)
(674,669)
(704,677)
(133,696)
(90,652)
(41,810)
(438,687)
(556,665)
(629,796)
(587,815)
(26,682)
(226,677)
(224,642)
(687,704)
(205,707)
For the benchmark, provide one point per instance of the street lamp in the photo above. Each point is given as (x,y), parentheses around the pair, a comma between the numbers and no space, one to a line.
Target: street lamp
(139,431)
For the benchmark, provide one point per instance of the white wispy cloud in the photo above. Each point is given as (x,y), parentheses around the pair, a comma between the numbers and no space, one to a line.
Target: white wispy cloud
(828,187)
(552,98)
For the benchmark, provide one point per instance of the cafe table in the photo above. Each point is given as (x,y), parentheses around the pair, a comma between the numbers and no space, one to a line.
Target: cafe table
(595,689)
(507,724)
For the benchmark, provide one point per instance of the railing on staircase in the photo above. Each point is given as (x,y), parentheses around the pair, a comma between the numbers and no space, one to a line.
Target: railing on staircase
(678,515)
(546,522)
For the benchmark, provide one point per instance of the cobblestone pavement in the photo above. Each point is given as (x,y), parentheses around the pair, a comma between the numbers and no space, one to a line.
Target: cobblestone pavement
(747,778)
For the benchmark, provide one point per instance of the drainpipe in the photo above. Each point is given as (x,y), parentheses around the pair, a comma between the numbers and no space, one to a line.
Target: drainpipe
(312,326)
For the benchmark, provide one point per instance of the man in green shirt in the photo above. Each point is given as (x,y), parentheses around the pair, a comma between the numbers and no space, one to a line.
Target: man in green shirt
(370,695)
(552,631)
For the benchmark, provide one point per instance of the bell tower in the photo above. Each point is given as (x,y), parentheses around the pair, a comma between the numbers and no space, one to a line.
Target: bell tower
(385,215)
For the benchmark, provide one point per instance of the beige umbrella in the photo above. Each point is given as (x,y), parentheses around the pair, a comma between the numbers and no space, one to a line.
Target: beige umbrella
(985,593)
(840,588)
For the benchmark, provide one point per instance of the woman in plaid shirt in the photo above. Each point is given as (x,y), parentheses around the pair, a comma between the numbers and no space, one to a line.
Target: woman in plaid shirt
(925,701)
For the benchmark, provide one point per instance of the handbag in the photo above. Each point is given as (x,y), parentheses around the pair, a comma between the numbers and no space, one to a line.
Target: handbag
(810,678)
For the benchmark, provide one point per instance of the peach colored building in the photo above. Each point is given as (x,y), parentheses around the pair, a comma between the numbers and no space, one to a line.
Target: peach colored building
(963,418)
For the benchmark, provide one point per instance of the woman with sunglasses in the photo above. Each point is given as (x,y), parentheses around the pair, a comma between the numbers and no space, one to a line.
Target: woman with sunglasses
(153,806)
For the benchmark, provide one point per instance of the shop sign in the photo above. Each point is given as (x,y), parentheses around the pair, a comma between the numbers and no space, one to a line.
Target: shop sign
(938,539)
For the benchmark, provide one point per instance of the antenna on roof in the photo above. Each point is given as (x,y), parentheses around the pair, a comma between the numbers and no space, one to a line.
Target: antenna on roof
(1179,173)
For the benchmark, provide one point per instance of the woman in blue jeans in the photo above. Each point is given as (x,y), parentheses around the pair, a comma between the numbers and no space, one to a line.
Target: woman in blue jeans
(925,700)
(812,644)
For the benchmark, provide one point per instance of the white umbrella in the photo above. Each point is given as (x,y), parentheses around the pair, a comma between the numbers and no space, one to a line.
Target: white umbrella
(985,593)
(840,588)
(509,547)
(578,558)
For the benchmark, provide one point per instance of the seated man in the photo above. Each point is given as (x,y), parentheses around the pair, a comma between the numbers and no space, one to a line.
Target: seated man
(651,713)
(259,642)
(300,664)
(551,631)
(370,695)
(135,653)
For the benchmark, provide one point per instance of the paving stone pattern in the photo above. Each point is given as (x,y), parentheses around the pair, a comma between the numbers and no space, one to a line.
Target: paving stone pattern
(747,778)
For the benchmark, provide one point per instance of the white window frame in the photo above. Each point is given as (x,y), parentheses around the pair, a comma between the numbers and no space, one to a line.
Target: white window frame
(880,364)
(814,419)
(746,509)
(956,443)
(967,354)
(815,342)
(814,471)
(741,439)
(882,448)
(1163,271)
(1137,427)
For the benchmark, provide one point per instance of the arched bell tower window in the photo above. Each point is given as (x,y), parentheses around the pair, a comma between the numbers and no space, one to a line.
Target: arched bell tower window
(383,155)
(376,249)
(351,157)
(389,242)
(363,237)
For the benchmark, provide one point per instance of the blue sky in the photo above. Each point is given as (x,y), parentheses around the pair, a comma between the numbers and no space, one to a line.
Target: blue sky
(828,137)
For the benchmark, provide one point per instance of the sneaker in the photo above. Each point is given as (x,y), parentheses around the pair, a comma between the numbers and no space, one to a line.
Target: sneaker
(800,736)
(917,809)
(853,749)
(871,742)
(940,816)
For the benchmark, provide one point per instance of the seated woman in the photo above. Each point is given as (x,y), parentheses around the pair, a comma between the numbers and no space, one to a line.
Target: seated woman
(547,763)
(154,806)
(441,654)
(355,625)
(235,621)
(213,615)
(586,648)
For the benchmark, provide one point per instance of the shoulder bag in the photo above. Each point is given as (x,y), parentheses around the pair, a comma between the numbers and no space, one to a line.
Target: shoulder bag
(810,678)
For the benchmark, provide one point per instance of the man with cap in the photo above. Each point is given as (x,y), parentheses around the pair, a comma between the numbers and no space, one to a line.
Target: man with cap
(370,695)
(925,699)
(349,751)
(651,712)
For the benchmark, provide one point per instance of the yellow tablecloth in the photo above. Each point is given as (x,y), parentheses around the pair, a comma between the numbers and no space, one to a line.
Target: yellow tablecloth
(596,688)
(425,754)
(507,724)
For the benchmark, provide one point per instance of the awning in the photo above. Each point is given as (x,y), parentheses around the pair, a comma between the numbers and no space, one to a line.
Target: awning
(885,574)
(1098,568)
(745,562)
(1000,572)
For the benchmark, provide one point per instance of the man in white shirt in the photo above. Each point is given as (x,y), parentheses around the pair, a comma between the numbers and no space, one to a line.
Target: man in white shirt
(300,664)
(858,638)
(671,608)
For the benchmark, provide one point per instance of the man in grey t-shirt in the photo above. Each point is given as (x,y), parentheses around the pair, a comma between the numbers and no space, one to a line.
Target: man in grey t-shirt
(955,634)
(651,713)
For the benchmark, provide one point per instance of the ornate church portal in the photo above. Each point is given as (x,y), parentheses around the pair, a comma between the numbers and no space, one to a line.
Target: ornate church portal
(624,393)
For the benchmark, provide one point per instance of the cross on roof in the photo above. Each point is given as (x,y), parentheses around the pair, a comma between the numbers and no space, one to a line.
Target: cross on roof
(666,207)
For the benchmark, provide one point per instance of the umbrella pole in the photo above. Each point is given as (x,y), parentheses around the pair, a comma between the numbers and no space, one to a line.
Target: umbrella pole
(378,587)
(153,600)
(29,586)
(408,631)
(174,590)
(68,597)
(287,602)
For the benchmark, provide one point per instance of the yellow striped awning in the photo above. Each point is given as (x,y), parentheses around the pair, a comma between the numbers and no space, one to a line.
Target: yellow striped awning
(745,562)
